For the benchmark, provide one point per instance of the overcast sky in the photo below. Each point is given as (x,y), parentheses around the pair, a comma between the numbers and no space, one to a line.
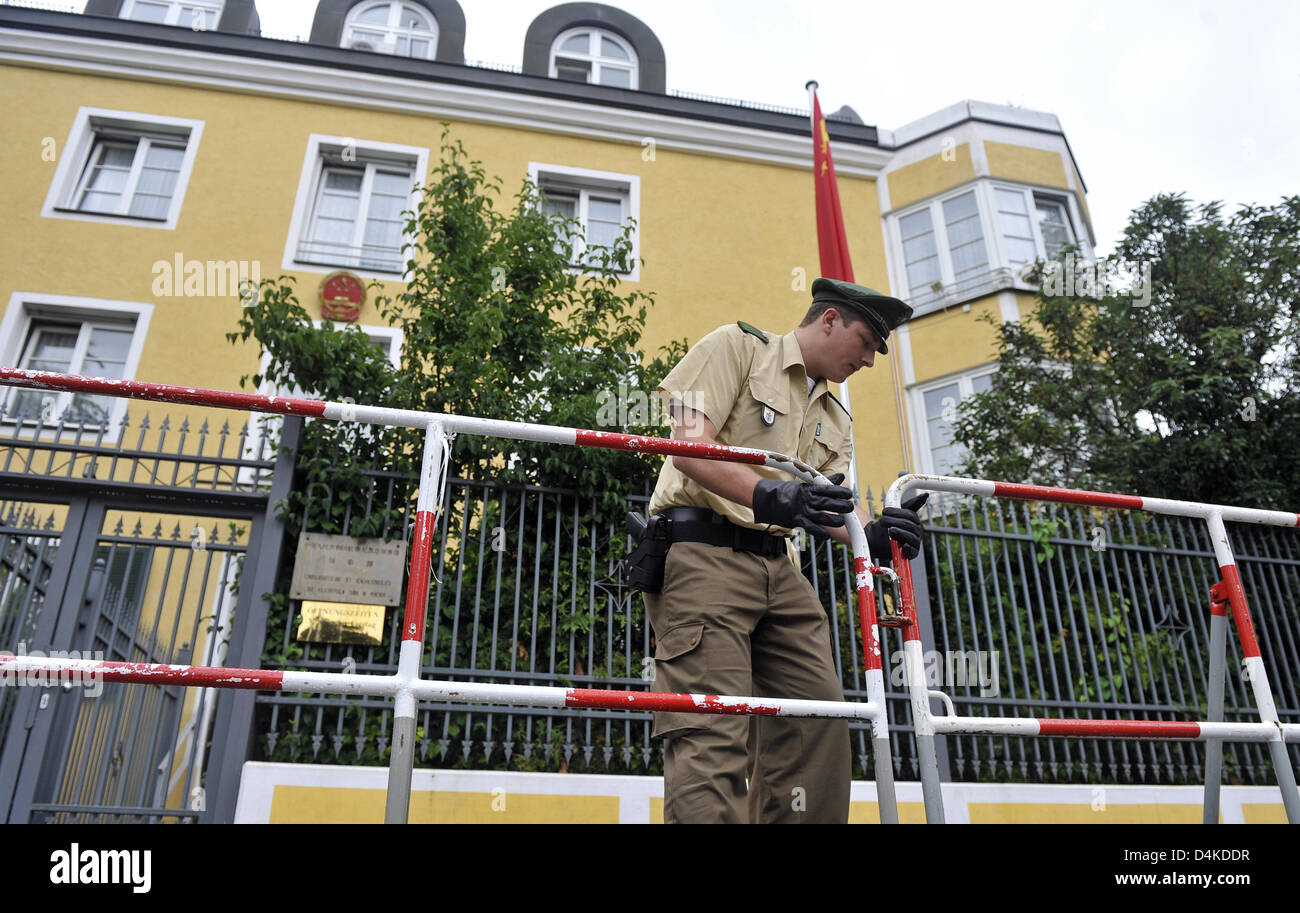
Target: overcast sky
(1153,95)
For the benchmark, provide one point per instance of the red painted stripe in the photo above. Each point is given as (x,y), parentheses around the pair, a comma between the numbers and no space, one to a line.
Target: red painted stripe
(651,700)
(417,585)
(867,618)
(1153,729)
(1240,612)
(160,674)
(1065,495)
(610,440)
(1219,608)
(912,631)
(167,393)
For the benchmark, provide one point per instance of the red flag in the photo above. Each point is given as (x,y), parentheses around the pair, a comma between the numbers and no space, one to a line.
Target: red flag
(832,241)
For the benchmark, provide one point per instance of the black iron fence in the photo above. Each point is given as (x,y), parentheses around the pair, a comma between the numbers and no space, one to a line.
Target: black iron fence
(1035,610)
(1077,612)
(1031,610)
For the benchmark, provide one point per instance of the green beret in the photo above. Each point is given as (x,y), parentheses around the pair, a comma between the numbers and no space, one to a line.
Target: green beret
(881,312)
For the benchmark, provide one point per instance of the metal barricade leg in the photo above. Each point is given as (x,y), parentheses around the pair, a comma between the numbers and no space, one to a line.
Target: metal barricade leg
(886,797)
(402,759)
(1214,747)
(918,690)
(1230,589)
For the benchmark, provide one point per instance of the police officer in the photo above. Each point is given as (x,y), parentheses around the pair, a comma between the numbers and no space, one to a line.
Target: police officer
(735,615)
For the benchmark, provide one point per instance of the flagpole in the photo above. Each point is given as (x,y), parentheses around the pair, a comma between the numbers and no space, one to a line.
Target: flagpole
(811,86)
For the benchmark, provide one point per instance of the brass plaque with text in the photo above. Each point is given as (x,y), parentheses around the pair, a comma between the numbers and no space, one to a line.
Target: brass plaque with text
(346,569)
(341,623)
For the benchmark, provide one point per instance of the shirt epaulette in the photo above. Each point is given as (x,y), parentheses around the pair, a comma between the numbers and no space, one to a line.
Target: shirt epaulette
(838,403)
(752,330)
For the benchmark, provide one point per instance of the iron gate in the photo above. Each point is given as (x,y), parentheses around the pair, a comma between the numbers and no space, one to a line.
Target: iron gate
(134,550)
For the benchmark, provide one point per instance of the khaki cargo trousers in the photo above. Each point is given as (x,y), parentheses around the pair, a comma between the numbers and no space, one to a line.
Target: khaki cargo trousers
(736,623)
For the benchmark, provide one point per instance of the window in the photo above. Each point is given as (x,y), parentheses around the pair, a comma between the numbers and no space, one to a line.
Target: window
(1026,238)
(130,177)
(350,203)
(601,202)
(1053,224)
(972,242)
(200,15)
(402,29)
(943,246)
(936,404)
(595,56)
(264,428)
(71,336)
(132,169)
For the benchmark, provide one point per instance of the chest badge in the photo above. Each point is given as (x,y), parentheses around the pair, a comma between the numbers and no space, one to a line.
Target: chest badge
(818,433)
(769,416)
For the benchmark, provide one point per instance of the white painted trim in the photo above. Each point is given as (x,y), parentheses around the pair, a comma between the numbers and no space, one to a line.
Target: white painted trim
(904,350)
(1008,307)
(26,307)
(963,111)
(597,60)
(309,178)
(629,185)
(916,407)
(432,100)
(81,142)
(391,32)
(259,779)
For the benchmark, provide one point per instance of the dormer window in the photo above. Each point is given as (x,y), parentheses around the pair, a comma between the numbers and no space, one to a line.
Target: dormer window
(401,29)
(200,15)
(594,56)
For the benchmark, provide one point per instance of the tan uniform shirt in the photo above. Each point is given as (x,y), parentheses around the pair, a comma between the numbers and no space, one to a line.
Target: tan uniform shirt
(756,395)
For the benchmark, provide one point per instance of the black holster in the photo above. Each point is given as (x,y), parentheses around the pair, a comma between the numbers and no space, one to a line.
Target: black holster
(644,567)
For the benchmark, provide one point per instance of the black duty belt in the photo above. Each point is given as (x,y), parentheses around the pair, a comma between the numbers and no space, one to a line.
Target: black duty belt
(699,524)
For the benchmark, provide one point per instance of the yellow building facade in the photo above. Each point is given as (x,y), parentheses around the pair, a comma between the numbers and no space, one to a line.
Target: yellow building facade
(153,166)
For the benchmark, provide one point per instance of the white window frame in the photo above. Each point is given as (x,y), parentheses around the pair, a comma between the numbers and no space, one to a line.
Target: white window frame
(367,152)
(260,422)
(584,181)
(391,31)
(28,308)
(597,62)
(1030,194)
(919,423)
(1000,273)
(939,226)
(175,8)
(74,163)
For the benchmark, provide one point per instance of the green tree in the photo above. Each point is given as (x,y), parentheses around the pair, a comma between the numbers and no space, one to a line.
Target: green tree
(1191,395)
(496,323)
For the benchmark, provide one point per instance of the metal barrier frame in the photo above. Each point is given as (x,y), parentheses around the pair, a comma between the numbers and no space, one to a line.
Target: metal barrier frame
(406,688)
(1225,596)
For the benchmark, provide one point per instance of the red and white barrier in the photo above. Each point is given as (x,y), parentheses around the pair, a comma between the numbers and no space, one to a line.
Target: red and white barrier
(406,688)
(1228,592)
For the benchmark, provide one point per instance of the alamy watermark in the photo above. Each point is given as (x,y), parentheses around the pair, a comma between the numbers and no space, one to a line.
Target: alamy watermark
(181,278)
(1076,277)
(15,675)
(628,407)
(952,667)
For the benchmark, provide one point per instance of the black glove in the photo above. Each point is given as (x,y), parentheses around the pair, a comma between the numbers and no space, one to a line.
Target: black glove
(902,524)
(796,504)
